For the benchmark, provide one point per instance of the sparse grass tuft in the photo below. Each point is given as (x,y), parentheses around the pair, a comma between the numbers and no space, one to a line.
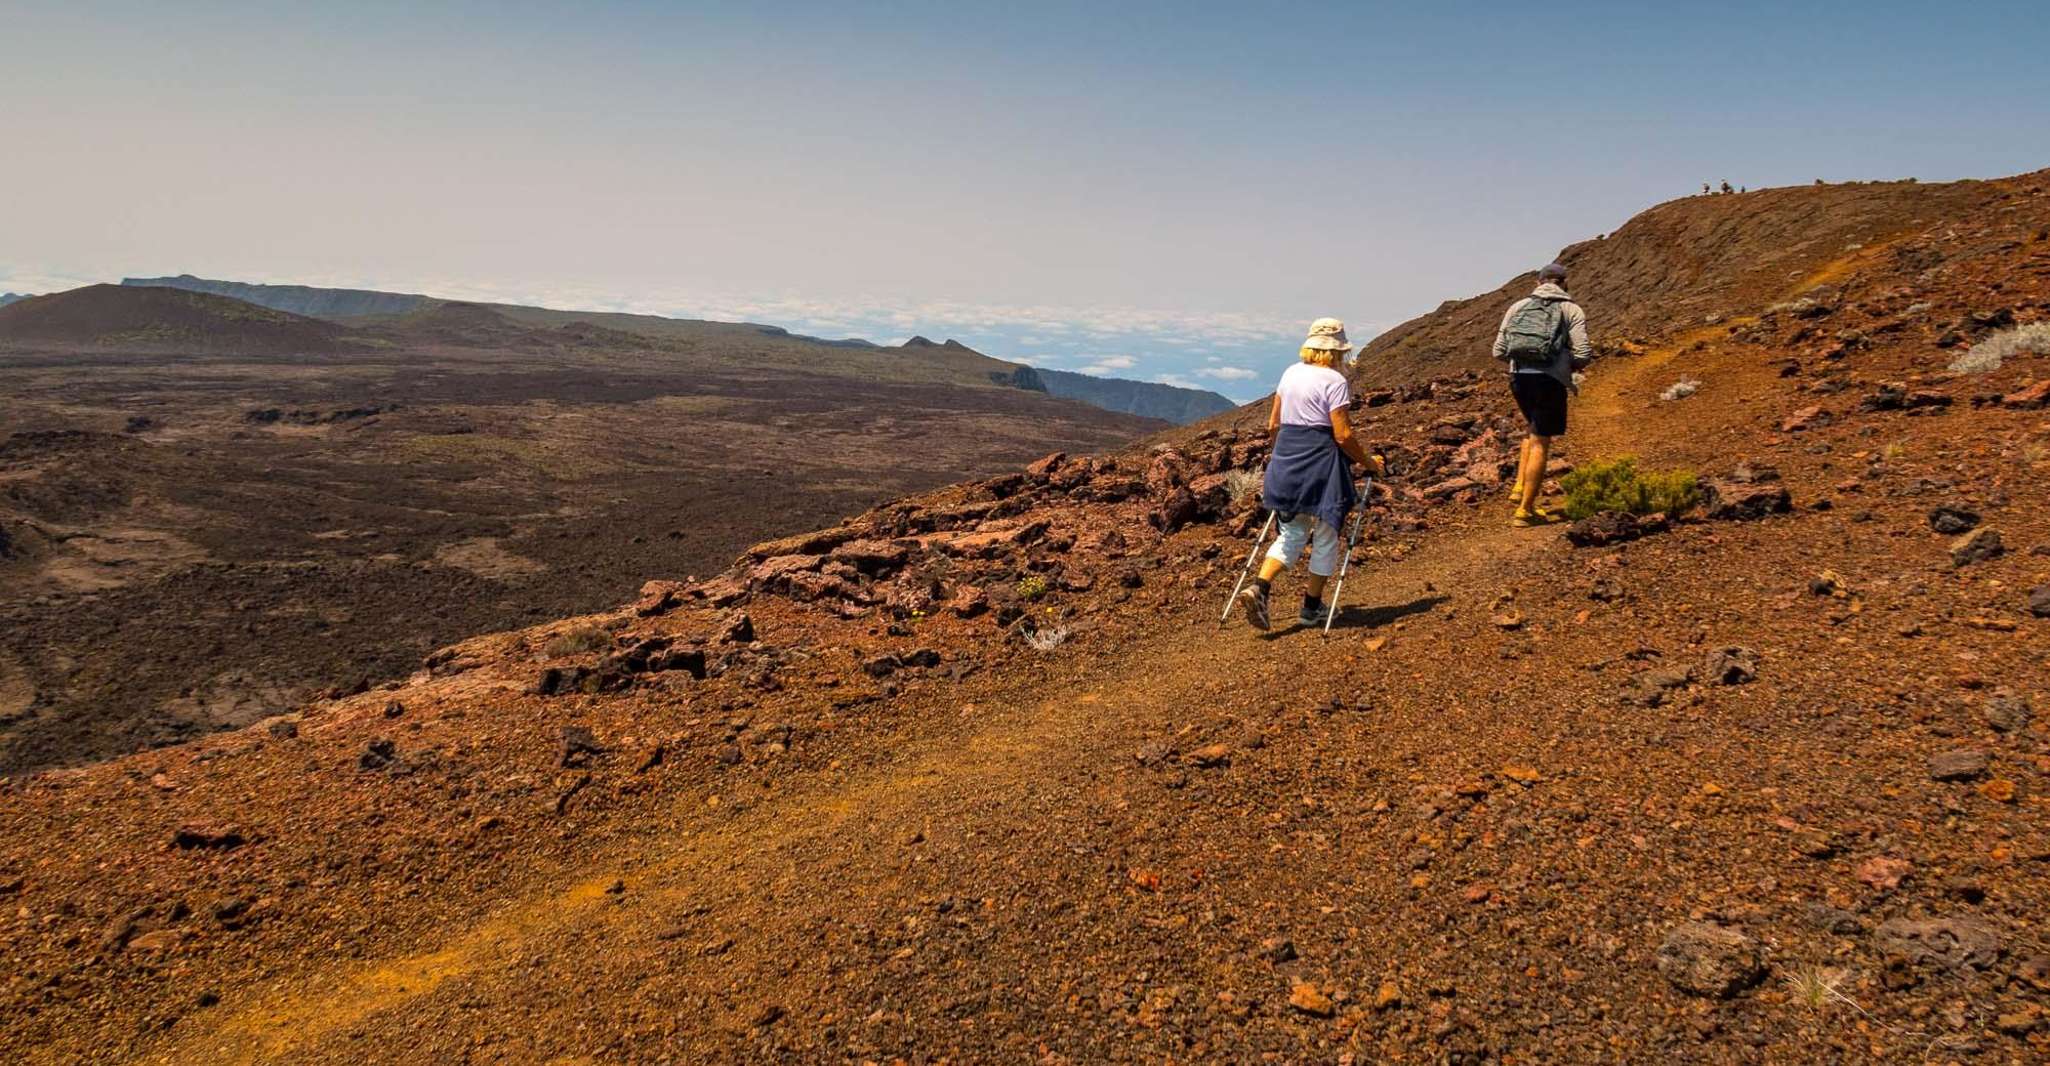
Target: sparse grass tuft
(577,641)
(1243,485)
(1988,354)
(1817,987)
(1618,485)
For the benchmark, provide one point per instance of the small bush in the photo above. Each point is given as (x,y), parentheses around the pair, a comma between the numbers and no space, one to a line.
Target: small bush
(577,642)
(1988,354)
(1031,587)
(1617,485)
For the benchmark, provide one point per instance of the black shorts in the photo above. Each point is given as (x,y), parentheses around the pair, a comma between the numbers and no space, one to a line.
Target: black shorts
(1543,402)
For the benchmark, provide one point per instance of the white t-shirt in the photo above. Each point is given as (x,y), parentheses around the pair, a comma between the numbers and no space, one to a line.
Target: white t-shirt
(1309,393)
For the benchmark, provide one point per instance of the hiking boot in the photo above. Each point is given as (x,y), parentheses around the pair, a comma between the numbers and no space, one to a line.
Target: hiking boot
(1536,516)
(1312,617)
(1253,601)
(1516,491)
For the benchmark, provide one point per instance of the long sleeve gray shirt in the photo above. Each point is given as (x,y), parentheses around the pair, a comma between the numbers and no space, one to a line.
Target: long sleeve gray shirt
(1575,355)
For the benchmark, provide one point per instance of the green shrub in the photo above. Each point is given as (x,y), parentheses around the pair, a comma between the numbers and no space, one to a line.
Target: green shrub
(1031,587)
(1618,485)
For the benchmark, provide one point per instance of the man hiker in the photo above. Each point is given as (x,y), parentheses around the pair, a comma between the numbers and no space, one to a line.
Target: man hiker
(1544,340)
(1309,485)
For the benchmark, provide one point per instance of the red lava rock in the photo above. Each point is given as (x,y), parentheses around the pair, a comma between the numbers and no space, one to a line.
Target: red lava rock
(1306,997)
(1883,872)
(1043,468)
(2031,396)
(872,557)
(781,568)
(1958,765)
(737,628)
(1805,419)
(658,598)
(723,591)
(1731,666)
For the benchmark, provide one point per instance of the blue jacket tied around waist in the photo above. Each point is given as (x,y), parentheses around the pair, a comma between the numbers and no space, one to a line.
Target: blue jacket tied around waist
(1307,474)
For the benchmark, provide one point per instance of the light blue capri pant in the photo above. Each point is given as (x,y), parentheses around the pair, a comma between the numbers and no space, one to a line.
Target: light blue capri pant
(1319,536)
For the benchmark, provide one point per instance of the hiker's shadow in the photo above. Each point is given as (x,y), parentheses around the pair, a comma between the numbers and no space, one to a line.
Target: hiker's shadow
(1358,617)
(1370,617)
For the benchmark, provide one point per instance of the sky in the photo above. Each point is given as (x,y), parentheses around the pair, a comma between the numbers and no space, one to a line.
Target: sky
(1163,191)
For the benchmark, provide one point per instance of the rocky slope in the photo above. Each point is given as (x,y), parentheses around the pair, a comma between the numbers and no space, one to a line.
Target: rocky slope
(974,775)
(1696,263)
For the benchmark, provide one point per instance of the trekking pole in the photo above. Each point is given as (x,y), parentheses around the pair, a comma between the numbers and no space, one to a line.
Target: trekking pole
(1254,554)
(1345,563)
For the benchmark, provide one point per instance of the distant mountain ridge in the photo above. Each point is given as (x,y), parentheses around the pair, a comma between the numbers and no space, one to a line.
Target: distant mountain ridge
(1147,399)
(307,300)
(12,297)
(1169,403)
(161,319)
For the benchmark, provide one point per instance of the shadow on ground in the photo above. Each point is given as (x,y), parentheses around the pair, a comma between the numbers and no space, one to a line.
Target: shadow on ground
(1362,617)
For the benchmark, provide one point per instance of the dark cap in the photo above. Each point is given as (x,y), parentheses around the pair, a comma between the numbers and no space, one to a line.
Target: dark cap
(1552,272)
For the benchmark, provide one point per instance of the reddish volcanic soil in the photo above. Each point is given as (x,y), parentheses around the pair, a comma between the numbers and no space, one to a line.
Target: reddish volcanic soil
(976,776)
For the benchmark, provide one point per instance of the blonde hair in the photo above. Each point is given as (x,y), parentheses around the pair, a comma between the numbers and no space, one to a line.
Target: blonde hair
(1323,357)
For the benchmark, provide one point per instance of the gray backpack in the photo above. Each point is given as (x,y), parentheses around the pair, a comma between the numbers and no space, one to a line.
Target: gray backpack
(1531,339)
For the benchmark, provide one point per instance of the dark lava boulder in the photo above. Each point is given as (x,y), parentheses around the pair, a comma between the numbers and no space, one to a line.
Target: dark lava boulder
(1951,519)
(1614,527)
(1735,501)
(1709,960)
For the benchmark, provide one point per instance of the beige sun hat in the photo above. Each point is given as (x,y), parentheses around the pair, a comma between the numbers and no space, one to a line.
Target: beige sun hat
(1328,334)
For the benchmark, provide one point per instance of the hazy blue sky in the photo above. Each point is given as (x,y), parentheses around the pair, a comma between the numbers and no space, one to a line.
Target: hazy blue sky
(1157,190)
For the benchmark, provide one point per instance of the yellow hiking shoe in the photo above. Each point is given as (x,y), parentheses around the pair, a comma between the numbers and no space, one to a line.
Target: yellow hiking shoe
(1536,516)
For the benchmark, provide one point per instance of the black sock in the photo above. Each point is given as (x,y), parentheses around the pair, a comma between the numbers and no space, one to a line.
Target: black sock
(1261,583)
(1312,603)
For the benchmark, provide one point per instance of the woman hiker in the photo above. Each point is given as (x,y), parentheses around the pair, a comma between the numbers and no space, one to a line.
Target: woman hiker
(1309,484)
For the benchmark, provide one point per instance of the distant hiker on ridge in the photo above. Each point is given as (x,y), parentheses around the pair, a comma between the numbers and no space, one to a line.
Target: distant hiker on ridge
(1543,338)
(1309,483)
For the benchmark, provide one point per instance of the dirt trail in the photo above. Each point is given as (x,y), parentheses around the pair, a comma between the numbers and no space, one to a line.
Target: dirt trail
(1762,784)
(1038,754)
(821,850)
